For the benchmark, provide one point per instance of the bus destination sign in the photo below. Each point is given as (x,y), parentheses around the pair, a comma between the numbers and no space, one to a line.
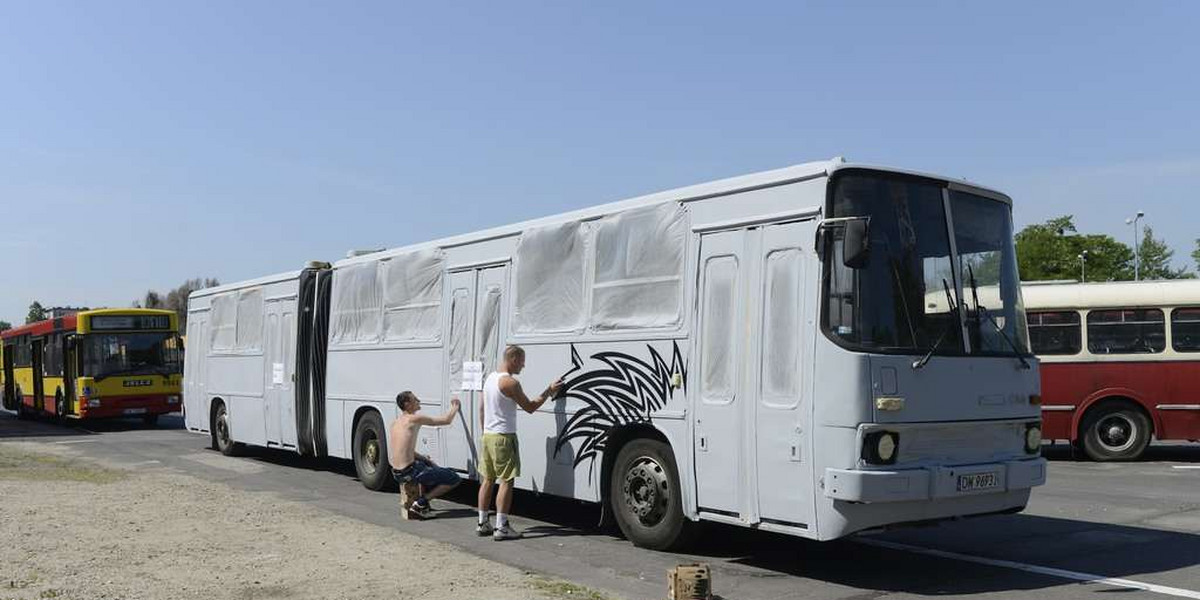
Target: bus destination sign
(127,322)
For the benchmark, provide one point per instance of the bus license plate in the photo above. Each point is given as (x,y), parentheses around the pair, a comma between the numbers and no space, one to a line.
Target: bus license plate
(142,411)
(977,481)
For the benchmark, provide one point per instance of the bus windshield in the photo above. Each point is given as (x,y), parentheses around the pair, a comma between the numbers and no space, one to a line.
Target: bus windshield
(905,299)
(109,354)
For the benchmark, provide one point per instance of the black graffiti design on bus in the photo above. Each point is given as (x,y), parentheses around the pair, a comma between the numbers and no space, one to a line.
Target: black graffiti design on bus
(624,391)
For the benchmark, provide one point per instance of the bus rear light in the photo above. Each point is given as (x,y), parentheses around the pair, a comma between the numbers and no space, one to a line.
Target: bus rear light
(1033,438)
(881,447)
(1035,399)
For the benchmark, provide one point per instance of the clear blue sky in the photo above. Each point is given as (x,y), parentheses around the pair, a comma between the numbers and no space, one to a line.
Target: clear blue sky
(145,143)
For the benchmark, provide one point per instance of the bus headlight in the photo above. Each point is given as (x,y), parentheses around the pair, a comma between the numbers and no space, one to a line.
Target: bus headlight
(1033,438)
(172,399)
(880,447)
(93,403)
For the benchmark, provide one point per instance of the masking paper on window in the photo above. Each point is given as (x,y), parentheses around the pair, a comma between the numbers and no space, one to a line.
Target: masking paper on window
(224,322)
(412,296)
(638,281)
(357,305)
(250,320)
(549,279)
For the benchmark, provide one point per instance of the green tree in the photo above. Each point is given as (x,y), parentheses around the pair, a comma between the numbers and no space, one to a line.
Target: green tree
(1051,250)
(5,325)
(1155,258)
(36,313)
(1196,254)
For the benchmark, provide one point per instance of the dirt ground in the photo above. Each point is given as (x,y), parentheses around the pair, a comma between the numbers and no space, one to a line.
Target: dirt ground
(73,529)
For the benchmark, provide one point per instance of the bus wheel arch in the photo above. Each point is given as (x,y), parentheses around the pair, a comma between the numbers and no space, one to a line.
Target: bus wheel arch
(1115,428)
(222,436)
(642,487)
(368,450)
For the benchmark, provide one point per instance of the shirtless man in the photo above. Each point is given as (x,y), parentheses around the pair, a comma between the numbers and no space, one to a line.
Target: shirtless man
(408,464)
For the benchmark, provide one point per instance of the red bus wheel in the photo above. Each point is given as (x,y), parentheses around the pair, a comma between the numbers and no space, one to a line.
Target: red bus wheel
(1115,432)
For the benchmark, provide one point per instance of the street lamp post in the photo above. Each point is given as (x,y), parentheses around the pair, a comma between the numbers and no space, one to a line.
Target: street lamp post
(1136,258)
(1083,266)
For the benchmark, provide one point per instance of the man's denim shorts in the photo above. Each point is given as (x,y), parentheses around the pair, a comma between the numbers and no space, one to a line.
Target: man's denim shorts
(425,474)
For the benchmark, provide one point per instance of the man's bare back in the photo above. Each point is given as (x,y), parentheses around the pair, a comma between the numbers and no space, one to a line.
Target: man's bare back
(403,449)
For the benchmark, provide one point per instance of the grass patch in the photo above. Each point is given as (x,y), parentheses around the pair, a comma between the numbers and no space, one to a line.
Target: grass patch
(34,466)
(553,588)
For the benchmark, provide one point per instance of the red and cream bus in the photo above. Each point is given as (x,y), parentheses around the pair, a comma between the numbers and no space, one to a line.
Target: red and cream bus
(114,362)
(1120,363)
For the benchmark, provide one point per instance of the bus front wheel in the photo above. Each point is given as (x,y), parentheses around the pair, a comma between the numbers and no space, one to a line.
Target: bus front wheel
(370,453)
(222,438)
(644,495)
(1115,432)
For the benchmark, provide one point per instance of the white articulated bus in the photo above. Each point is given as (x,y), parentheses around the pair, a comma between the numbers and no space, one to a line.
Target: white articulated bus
(758,351)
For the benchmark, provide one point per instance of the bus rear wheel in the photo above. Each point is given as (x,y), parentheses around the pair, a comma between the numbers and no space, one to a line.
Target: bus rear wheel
(1115,432)
(222,438)
(644,495)
(370,453)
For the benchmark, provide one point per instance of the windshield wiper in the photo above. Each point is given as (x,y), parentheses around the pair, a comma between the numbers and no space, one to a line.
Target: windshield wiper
(982,310)
(919,364)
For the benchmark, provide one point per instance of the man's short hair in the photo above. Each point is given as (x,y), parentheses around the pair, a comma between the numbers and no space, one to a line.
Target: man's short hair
(513,352)
(404,397)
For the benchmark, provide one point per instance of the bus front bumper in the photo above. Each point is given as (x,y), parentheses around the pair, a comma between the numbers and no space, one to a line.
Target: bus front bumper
(932,483)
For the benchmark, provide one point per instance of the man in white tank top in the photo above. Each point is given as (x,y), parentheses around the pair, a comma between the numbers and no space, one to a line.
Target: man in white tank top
(500,457)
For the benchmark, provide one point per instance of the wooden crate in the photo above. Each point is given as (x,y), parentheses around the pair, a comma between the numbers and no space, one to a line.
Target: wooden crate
(689,582)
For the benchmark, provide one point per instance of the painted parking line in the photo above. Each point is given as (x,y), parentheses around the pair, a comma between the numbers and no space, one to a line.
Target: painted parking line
(1050,571)
(77,442)
(1185,466)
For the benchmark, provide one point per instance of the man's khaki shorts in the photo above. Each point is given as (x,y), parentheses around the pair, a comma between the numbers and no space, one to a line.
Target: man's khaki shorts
(501,460)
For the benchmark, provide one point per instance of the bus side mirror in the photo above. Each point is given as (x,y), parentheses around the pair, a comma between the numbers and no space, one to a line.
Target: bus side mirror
(856,244)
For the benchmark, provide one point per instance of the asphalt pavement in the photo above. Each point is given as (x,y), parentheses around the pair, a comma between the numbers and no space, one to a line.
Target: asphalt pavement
(1093,530)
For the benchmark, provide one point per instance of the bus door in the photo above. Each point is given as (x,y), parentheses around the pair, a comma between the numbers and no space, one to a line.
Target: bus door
(753,411)
(720,452)
(279,393)
(476,309)
(786,304)
(195,359)
(70,370)
(10,387)
(35,351)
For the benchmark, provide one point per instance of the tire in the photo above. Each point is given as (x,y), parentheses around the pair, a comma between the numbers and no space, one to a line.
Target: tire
(222,438)
(150,420)
(1115,432)
(370,453)
(644,495)
(60,405)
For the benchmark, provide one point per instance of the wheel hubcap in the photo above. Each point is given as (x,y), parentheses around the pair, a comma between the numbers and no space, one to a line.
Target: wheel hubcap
(646,490)
(223,429)
(371,454)
(1116,432)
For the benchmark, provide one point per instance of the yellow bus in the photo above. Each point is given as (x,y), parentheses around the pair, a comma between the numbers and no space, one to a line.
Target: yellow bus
(112,362)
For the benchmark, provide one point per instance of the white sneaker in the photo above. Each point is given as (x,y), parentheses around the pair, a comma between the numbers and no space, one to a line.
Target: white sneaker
(508,532)
(484,529)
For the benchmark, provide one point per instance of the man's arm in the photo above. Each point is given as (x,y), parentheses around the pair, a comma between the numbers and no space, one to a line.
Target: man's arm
(442,420)
(510,387)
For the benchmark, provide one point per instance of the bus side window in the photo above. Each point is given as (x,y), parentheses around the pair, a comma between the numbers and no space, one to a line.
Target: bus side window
(1185,329)
(1126,331)
(1055,333)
